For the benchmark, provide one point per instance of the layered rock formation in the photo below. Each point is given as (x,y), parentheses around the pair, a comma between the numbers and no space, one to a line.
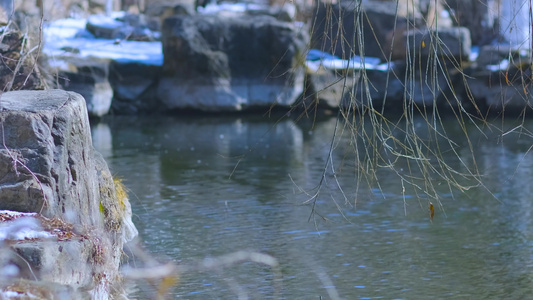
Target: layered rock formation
(48,166)
(220,63)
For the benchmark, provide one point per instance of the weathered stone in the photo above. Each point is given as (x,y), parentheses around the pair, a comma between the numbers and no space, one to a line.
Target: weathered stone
(327,87)
(104,6)
(135,86)
(48,165)
(376,89)
(103,27)
(479,16)
(391,90)
(48,133)
(128,27)
(217,63)
(448,44)
(493,55)
(6,9)
(65,262)
(382,24)
(435,13)
(501,91)
(89,77)
(157,11)
(285,12)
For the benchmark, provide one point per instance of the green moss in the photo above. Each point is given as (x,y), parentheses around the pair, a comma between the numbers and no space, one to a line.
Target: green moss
(120,189)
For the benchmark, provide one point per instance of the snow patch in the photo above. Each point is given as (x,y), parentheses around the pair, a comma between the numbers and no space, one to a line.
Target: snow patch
(21,226)
(69,38)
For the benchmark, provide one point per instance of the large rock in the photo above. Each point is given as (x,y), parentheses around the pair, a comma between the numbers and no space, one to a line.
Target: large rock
(376,89)
(435,13)
(327,88)
(131,27)
(158,11)
(383,24)
(49,252)
(479,16)
(500,89)
(49,166)
(448,44)
(135,87)
(215,63)
(89,78)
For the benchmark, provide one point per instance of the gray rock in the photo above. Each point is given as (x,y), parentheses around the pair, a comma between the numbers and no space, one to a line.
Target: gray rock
(157,11)
(328,88)
(47,132)
(391,90)
(130,27)
(134,86)
(215,63)
(334,29)
(89,77)
(493,55)
(479,16)
(63,262)
(285,12)
(435,13)
(49,166)
(501,91)
(383,89)
(449,44)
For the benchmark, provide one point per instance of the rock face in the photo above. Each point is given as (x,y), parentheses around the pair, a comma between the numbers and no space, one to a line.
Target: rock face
(383,24)
(217,63)
(131,27)
(135,87)
(49,166)
(479,16)
(327,89)
(89,78)
(452,44)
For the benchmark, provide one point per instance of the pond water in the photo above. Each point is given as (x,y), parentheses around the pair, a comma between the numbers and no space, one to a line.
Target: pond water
(202,187)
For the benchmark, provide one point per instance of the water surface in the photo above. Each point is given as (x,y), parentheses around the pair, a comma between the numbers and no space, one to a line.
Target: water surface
(205,187)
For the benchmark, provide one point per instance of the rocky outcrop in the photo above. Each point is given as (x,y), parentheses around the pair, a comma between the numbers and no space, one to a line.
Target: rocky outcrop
(326,89)
(217,63)
(479,16)
(334,28)
(421,59)
(89,77)
(135,87)
(131,27)
(48,166)
(501,87)
(447,44)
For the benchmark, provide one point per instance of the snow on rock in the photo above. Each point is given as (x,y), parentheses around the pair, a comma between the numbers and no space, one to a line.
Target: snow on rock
(16,295)
(21,226)
(316,58)
(77,55)
(69,38)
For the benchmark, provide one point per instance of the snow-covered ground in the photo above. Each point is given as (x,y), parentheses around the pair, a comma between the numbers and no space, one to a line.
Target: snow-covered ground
(316,58)
(21,226)
(69,38)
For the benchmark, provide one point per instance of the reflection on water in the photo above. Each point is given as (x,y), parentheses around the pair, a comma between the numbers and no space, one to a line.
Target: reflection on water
(206,187)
